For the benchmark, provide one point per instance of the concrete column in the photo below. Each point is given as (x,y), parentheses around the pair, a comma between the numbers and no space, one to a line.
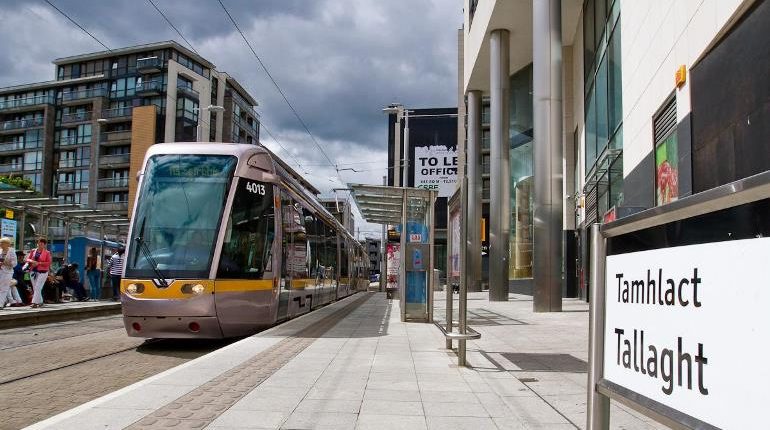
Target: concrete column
(500,173)
(473,157)
(547,104)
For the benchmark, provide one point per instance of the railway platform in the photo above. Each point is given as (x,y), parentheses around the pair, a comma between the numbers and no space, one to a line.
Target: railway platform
(24,315)
(354,365)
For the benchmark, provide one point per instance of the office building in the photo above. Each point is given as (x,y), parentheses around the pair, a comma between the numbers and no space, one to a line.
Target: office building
(598,109)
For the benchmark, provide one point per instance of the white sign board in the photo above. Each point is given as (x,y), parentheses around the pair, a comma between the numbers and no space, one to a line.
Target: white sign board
(8,229)
(435,168)
(689,327)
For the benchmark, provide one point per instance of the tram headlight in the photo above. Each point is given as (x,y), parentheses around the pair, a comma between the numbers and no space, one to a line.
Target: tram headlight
(135,288)
(198,289)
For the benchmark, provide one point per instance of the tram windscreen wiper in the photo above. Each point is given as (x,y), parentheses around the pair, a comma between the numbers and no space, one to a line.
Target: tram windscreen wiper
(154,264)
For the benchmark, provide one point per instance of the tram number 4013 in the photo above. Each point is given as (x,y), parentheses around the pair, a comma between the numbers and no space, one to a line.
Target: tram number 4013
(255,188)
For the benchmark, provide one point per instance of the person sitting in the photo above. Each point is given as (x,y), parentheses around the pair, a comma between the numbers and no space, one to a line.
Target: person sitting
(72,280)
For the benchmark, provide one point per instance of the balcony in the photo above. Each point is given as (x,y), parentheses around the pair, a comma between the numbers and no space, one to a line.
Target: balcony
(69,118)
(68,163)
(187,91)
(26,102)
(149,88)
(113,206)
(121,113)
(10,168)
(20,124)
(10,147)
(90,93)
(72,140)
(68,186)
(114,160)
(149,65)
(105,183)
(115,138)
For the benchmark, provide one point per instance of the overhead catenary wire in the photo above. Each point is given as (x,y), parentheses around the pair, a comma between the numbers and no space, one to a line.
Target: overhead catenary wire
(278,87)
(78,25)
(172,25)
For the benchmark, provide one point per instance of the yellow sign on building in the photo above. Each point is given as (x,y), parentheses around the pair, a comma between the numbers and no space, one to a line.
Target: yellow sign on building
(9,213)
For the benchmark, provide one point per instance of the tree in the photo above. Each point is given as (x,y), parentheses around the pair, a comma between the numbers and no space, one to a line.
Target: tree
(18,182)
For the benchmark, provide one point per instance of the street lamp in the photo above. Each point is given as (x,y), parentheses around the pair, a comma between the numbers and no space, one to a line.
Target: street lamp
(199,129)
(400,112)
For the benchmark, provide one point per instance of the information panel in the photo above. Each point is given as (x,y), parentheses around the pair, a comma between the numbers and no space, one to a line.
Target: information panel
(436,169)
(689,326)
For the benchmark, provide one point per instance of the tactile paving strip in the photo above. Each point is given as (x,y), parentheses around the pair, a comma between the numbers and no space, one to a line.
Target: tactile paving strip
(200,407)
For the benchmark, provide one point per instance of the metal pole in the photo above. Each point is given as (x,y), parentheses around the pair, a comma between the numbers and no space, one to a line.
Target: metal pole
(474,190)
(66,240)
(463,299)
(402,256)
(397,151)
(448,288)
(547,155)
(598,414)
(406,148)
(500,175)
(431,273)
(23,220)
(384,248)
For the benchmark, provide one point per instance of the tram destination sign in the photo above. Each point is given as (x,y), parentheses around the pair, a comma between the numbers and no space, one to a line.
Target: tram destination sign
(689,328)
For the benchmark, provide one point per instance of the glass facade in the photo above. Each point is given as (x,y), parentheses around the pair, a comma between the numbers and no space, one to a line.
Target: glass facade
(521,187)
(603,107)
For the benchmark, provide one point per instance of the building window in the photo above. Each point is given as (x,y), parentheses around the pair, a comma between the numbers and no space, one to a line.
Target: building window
(666,154)
(603,104)
(187,109)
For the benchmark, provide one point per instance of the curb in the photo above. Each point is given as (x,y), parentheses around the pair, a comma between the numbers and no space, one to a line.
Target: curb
(57,315)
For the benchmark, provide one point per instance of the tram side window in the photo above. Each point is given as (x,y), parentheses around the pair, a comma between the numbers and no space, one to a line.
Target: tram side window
(295,246)
(330,257)
(317,248)
(247,247)
(344,261)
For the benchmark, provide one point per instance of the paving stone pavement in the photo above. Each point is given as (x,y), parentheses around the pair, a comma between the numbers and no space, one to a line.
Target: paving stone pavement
(371,371)
(30,350)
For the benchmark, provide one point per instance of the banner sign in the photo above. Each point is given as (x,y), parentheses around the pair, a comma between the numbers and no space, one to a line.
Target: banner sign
(435,168)
(8,229)
(394,261)
(688,327)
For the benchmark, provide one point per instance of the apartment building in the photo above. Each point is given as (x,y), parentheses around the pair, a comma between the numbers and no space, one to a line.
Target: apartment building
(73,136)
(592,110)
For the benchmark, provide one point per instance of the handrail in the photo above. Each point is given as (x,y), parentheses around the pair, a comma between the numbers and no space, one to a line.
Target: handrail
(472,334)
(736,193)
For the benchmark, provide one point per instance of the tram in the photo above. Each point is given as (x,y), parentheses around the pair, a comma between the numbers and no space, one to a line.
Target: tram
(225,240)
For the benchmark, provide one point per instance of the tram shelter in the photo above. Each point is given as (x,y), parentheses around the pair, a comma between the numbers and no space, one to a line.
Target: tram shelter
(410,212)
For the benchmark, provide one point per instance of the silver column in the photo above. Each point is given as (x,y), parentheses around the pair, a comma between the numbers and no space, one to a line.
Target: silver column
(500,173)
(547,104)
(473,161)
(397,163)
(598,414)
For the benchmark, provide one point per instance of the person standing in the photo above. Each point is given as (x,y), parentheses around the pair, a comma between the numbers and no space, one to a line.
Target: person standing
(22,285)
(93,274)
(116,271)
(39,261)
(7,261)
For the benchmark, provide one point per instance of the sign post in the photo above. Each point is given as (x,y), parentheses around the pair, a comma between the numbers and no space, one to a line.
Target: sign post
(678,322)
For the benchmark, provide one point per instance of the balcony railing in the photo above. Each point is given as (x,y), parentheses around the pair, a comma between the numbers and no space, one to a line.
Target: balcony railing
(149,64)
(71,186)
(13,146)
(116,137)
(73,140)
(114,159)
(21,123)
(10,168)
(118,112)
(149,87)
(75,117)
(113,183)
(27,101)
(184,89)
(112,206)
(83,94)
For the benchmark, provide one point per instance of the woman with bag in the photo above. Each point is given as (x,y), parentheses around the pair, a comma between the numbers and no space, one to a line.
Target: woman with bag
(7,261)
(38,263)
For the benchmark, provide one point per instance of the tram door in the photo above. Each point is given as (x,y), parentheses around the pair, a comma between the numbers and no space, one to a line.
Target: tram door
(284,294)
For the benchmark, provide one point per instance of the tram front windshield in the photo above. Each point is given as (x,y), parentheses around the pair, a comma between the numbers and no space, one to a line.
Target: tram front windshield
(178,215)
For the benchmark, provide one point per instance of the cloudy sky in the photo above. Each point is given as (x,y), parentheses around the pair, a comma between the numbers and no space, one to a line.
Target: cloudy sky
(338,61)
